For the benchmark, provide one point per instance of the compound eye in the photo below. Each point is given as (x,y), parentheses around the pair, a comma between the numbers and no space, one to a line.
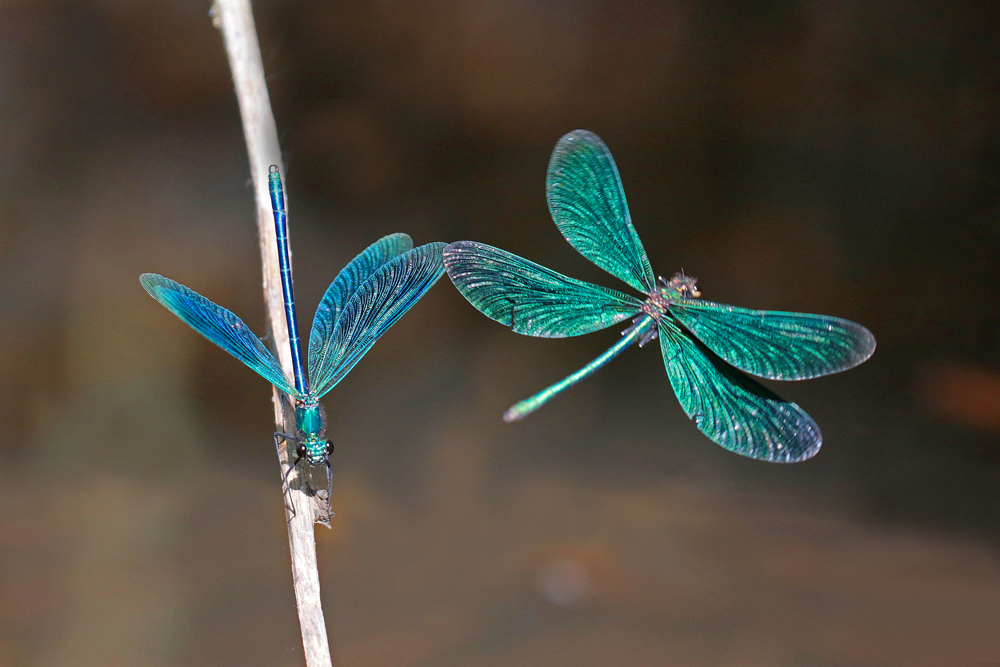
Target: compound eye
(301,451)
(329,448)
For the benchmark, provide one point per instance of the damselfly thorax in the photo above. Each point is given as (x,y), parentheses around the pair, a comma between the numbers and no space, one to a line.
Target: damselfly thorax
(666,292)
(310,422)
(657,304)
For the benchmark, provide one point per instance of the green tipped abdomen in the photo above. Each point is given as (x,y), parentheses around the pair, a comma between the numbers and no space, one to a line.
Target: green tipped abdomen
(637,333)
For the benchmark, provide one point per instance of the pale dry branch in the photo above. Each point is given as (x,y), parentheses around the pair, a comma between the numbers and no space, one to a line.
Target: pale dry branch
(235,19)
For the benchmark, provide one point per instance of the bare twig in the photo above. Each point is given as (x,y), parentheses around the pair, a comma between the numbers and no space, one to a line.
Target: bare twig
(235,19)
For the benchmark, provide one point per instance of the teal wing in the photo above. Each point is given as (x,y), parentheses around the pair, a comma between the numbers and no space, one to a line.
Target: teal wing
(375,306)
(588,205)
(218,325)
(530,298)
(730,408)
(321,355)
(774,344)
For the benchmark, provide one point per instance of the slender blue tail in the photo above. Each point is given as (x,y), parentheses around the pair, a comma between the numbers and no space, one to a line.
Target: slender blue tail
(281,232)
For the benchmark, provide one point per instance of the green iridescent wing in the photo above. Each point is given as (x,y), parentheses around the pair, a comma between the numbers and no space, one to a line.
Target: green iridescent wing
(730,408)
(530,298)
(588,205)
(774,344)
(218,325)
(375,306)
(321,357)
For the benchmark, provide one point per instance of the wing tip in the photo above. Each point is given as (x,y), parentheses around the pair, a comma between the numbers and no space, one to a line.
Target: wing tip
(787,445)
(148,280)
(862,349)
(779,453)
(810,451)
(155,285)
(802,443)
(869,344)
(580,133)
(566,145)
(402,237)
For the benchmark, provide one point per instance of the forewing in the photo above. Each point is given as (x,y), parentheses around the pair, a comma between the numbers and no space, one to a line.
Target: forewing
(530,298)
(588,205)
(218,325)
(730,408)
(376,305)
(775,344)
(347,282)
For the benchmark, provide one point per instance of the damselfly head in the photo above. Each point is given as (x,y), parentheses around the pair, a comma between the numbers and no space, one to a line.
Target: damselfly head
(316,450)
(680,287)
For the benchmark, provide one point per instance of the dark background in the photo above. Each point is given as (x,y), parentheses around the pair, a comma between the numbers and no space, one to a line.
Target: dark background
(830,156)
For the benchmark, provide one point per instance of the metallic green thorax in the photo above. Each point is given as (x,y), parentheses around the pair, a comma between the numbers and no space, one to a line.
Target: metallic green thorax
(310,422)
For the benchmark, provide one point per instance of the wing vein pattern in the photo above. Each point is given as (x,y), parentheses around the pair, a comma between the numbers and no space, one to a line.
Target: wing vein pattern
(774,344)
(375,306)
(730,408)
(218,325)
(530,298)
(587,203)
(322,356)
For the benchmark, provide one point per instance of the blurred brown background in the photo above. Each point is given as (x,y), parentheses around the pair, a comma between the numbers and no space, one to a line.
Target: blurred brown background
(830,156)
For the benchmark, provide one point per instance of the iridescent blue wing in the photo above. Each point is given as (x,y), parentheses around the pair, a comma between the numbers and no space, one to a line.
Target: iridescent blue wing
(218,325)
(321,356)
(730,408)
(587,202)
(530,298)
(774,344)
(376,305)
